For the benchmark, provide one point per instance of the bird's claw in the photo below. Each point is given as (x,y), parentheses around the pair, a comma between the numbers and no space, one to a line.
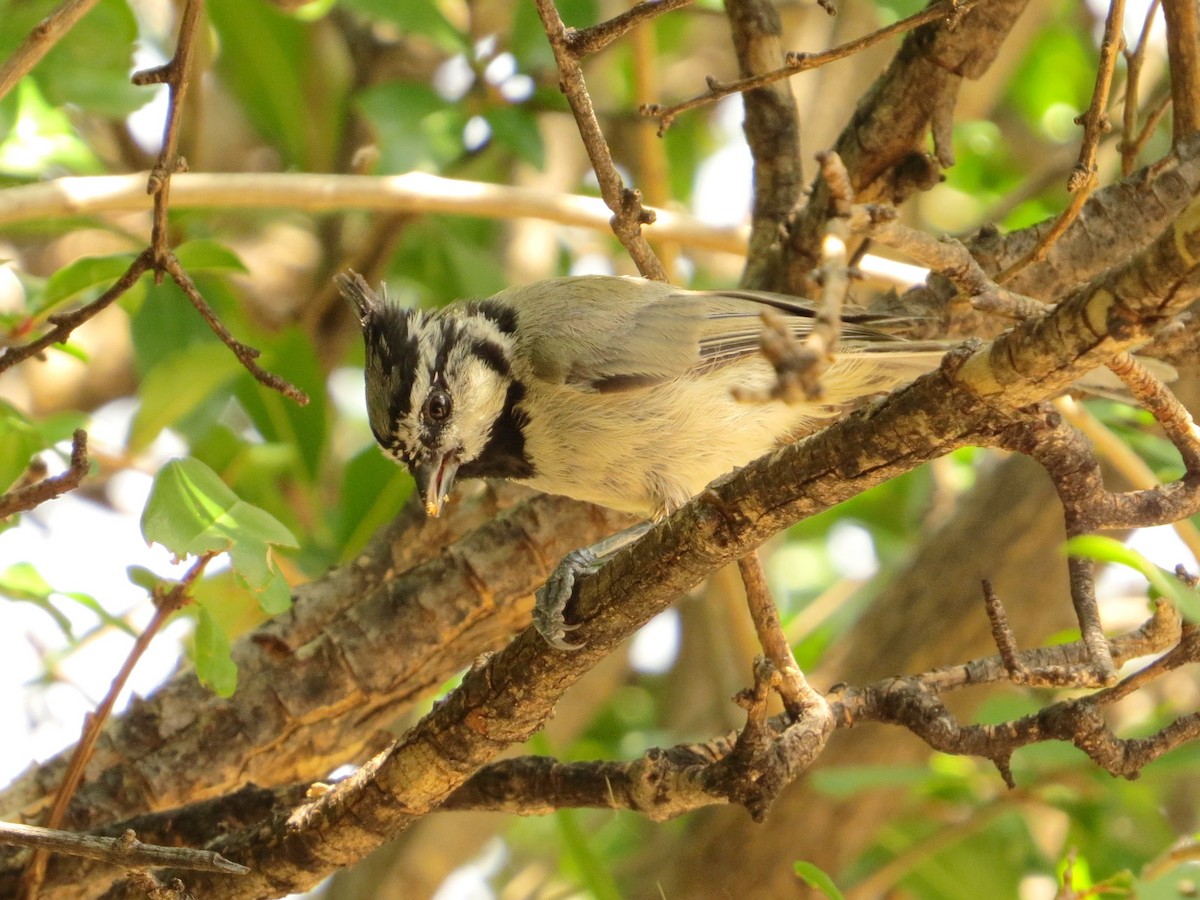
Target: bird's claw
(555,594)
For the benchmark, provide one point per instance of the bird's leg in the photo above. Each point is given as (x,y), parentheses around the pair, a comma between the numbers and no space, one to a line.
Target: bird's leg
(555,594)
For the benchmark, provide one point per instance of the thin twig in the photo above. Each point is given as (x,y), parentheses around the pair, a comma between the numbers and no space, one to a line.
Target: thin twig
(1095,123)
(797,62)
(125,851)
(651,152)
(1134,60)
(176,74)
(794,689)
(1131,466)
(66,322)
(835,274)
(39,42)
(594,39)
(39,492)
(166,605)
(628,213)
(1151,124)
(244,352)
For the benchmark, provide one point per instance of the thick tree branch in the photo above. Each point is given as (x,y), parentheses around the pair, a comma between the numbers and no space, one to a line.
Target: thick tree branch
(507,698)
(1183,55)
(882,145)
(772,127)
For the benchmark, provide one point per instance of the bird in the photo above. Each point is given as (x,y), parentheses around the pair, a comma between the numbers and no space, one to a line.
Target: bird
(615,390)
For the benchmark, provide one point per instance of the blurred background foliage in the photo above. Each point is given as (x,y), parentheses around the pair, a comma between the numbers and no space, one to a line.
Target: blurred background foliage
(468,90)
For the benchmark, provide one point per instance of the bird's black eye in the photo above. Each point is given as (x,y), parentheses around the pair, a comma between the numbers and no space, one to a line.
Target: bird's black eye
(438,405)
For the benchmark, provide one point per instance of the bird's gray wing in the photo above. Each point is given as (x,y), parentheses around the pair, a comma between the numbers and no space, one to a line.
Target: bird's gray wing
(603,333)
(733,329)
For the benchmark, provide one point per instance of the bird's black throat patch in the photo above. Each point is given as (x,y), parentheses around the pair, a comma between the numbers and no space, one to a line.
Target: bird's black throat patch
(504,454)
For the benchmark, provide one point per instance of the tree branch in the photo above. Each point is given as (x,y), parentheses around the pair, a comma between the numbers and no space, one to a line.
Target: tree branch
(31,495)
(626,204)
(126,851)
(40,41)
(412,192)
(1183,54)
(772,126)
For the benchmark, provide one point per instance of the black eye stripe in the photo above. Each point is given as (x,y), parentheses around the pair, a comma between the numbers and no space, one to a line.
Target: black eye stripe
(502,316)
(491,355)
(451,332)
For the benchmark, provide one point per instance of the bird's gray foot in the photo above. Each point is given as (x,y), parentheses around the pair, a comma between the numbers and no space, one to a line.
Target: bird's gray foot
(555,594)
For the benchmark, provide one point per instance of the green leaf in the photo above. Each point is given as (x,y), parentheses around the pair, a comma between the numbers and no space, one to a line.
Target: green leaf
(815,877)
(1104,549)
(90,67)
(190,511)
(373,489)
(164,323)
(19,441)
(80,275)
(416,128)
(177,386)
(517,129)
(280,420)
(25,583)
(415,18)
(209,256)
(213,657)
(276,595)
(291,85)
(43,139)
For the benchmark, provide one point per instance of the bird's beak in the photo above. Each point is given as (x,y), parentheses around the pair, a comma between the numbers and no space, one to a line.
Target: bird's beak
(434,478)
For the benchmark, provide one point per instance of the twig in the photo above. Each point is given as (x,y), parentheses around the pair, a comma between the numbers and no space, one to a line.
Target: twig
(835,275)
(799,366)
(1002,634)
(1131,466)
(1156,113)
(798,697)
(796,62)
(165,606)
(1153,396)
(31,495)
(1185,850)
(39,41)
(651,152)
(1095,123)
(176,74)
(244,352)
(597,37)
(1134,60)
(125,851)
(66,322)
(626,204)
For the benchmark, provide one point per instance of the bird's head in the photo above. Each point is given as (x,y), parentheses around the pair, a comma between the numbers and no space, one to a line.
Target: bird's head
(437,387)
